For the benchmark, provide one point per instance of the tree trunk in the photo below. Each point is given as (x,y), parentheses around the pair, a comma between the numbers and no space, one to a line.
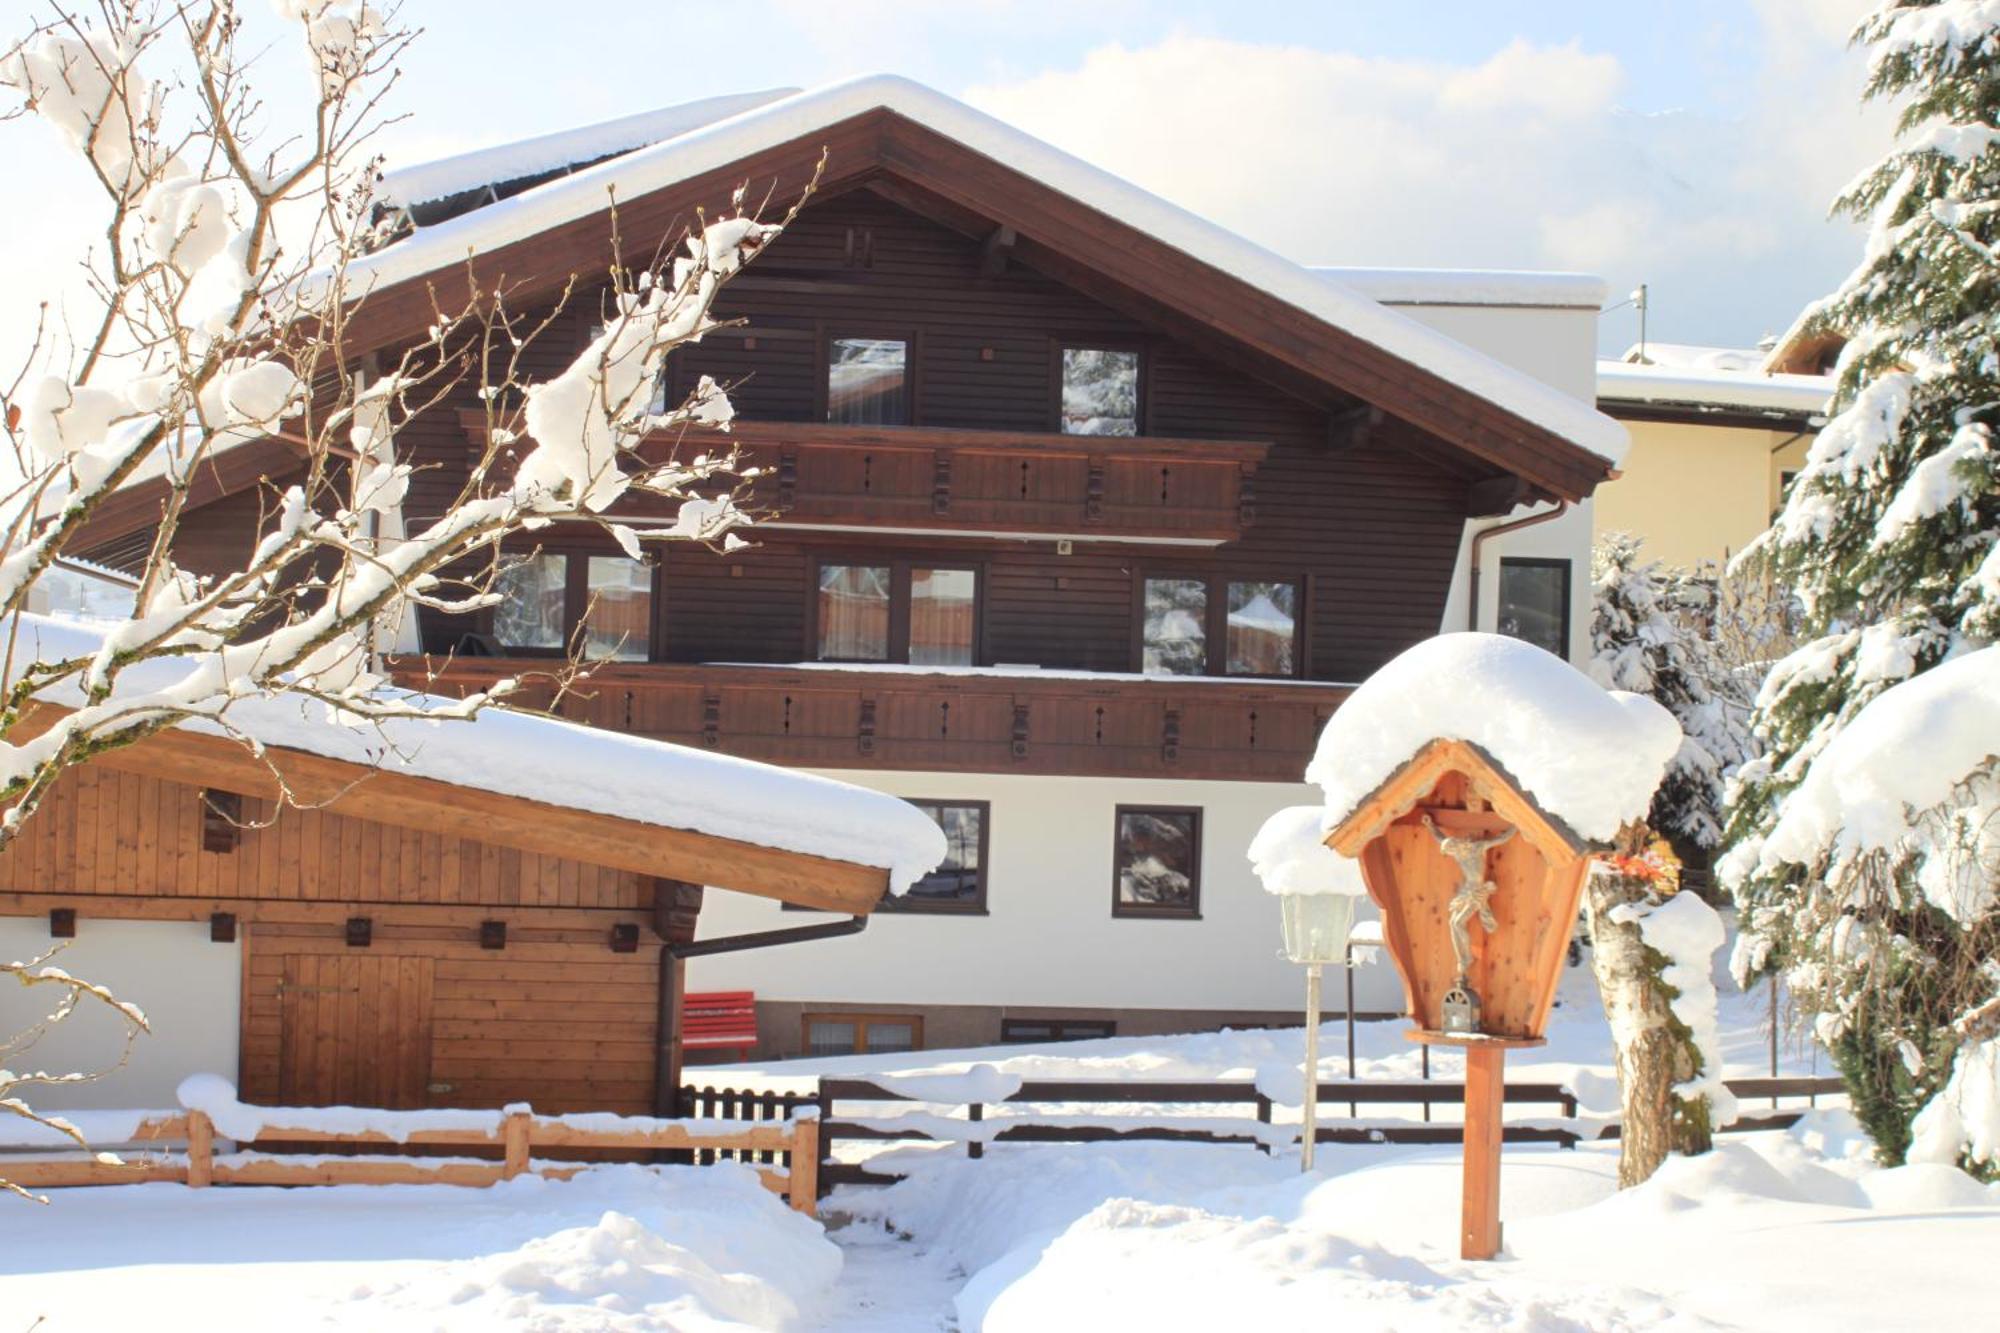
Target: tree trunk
(1655,1051)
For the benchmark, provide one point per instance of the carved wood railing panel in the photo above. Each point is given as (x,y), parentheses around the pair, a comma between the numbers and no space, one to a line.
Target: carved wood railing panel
(1011,722)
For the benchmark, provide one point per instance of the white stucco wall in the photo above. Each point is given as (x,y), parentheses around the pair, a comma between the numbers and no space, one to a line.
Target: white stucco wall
(1558,346)
(1049,937)
(189,988)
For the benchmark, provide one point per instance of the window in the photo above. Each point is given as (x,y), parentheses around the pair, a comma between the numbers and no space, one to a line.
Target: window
(862,1034)
(854,613)
(1534,603)
(941,605)
(1100,391)
(531,613)
(547,599)
(959,884)
(1258,635)
(1156,862)
(1015,1030)
(1262,624)
(867,382)
(899,612)
(1176,634)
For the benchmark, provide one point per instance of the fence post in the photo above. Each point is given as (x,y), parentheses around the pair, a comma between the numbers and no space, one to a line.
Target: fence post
(1263,1118)
(976,1112)
(825,1129)
(514,1134)
(201,1150)
(803,1189)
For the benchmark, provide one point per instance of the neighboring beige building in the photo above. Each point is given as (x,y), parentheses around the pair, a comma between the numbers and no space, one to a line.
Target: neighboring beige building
(1716,434)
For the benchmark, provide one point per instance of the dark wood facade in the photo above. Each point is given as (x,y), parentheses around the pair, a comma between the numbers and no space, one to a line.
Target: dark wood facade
(1232,478)
(1264,453)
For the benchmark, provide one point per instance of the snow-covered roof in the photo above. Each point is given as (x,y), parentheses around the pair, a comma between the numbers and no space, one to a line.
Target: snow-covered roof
(552,152)
(1695,356)
(1470,286)
(1588,756)
(1714,389)
(716,145)
(539,758)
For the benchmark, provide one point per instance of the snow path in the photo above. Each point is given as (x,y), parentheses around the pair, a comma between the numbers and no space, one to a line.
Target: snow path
(889,1285)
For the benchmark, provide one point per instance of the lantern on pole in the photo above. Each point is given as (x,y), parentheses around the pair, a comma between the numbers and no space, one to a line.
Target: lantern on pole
(1317,891)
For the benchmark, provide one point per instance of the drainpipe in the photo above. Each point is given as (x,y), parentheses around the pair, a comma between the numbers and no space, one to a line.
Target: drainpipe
(1501,530)
(666,1068)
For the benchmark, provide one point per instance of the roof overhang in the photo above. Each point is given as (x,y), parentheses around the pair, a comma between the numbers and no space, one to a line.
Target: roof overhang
(1079,225)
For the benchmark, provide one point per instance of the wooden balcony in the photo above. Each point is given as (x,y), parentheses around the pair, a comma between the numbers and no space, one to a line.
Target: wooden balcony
(1070,723)
(928,479)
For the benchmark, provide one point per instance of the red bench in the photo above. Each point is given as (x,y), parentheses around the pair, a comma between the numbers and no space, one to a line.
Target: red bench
(719,1020)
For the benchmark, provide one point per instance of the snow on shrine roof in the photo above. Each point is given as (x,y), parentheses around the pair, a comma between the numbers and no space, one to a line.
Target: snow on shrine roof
(552,152)
(539,758)
(714,146)
(1470,286)
(1588,756)
(1290,856)
(1739,390)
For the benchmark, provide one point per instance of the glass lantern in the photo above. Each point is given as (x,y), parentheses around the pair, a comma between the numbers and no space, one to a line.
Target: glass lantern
(1317,926)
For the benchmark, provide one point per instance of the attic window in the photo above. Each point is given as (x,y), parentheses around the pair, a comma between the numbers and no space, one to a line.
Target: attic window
(867,382)
(1100,391)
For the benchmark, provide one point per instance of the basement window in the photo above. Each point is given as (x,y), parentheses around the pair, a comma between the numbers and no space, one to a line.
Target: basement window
(1015,1031)
(862,1034)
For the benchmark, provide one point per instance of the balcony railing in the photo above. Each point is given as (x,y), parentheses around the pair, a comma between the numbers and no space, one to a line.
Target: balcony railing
(948,720)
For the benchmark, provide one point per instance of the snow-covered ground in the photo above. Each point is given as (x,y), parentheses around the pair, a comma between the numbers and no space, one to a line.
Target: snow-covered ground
(1775,1230)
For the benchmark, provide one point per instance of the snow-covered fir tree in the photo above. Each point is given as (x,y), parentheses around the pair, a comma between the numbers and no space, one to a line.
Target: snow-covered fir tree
(1653,632)
(1888,539)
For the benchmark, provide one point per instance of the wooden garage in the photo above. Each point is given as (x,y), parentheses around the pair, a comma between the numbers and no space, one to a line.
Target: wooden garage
(406,941)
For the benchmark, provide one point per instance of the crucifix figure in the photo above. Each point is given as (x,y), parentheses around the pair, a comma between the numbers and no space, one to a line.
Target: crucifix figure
(1472,899)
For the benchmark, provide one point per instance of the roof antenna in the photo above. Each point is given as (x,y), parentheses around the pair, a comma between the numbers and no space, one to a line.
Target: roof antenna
(1638,300)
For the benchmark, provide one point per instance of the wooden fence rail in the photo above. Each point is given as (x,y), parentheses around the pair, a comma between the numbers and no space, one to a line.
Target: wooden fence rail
(795,1139)
(1042,1125)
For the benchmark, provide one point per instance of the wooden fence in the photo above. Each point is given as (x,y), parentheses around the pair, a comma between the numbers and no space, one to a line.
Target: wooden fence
(1217,1105)
(795,1139)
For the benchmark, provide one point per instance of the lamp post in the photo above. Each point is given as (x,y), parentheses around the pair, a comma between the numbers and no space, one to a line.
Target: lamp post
(1316,890)
(1316,928)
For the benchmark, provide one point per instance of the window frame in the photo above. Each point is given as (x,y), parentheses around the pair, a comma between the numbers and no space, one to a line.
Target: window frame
(1137,346)
(900,568)
(1215,622)
(576,596)
(912,339)
(1057,1026)
(862,1020)
(1568,568)
(901,904)
(1121,909)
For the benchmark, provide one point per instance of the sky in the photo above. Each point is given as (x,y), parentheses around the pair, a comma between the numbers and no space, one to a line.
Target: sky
(1693,146)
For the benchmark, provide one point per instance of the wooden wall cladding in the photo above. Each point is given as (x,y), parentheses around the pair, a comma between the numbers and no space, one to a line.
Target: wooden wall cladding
(1374,523)
(425,1017)
(105,832)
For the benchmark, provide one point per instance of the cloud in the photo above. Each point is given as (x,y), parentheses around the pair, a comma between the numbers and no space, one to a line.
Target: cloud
(1526,159)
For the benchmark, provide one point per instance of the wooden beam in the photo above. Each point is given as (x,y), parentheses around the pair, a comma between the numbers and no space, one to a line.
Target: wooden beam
(995,250)
(387,797)
(1479,1223)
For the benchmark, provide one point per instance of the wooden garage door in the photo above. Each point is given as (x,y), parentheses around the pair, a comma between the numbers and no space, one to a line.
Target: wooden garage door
(356,1031)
